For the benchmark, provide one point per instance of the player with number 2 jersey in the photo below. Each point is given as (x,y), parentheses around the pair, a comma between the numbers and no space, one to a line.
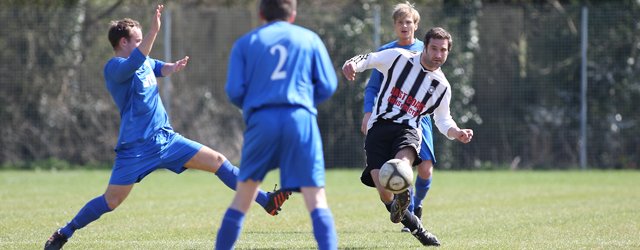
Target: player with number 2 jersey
(278,74)
(279,66)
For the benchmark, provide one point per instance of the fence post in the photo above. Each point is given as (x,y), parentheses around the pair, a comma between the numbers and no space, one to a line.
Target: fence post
(167,87)
(583,90)
(376,26)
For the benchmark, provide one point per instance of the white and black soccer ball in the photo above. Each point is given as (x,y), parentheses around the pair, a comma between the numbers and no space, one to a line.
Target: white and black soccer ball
(396,176)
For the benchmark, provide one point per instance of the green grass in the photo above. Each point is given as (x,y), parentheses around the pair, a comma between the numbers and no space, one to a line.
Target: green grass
(466,210)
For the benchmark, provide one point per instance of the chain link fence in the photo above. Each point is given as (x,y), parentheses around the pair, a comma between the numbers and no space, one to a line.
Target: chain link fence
(514,70)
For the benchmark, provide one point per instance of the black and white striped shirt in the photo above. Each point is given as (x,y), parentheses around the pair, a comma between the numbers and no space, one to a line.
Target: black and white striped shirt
(408,91)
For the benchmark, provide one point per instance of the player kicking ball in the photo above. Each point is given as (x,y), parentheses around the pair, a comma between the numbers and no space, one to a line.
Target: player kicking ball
(146,139)
(413,87)
(406,20)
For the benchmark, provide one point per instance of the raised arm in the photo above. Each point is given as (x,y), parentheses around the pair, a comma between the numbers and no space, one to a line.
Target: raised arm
(148,40)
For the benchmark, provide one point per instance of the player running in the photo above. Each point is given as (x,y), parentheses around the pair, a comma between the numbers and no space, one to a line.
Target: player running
(147,141)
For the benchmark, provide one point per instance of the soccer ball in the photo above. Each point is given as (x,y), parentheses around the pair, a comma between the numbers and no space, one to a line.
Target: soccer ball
(396,176)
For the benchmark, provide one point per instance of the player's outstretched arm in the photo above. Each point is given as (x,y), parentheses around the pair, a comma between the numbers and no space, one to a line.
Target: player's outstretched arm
(148,40)
(379,60)
(170,68)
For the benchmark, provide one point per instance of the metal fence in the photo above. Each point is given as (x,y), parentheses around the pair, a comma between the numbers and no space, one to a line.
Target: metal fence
(515,72)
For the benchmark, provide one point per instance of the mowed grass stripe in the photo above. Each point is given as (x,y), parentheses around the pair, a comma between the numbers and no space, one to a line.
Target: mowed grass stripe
(466,210)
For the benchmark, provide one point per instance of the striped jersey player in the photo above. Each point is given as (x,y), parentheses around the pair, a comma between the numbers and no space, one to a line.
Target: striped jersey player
(413,86)
(409,91)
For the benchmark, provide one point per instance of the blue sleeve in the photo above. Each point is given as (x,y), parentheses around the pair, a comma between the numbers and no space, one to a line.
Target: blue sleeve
(157,68)
(371,90)
(128,67)
(324,75)
(235,87)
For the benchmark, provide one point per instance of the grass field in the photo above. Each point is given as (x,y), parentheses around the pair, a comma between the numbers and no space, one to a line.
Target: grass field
(466,210)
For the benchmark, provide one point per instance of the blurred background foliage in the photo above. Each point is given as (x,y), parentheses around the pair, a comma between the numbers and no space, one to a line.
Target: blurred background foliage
(514,70)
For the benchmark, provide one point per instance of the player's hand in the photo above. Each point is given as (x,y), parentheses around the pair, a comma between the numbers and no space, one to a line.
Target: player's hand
(365,121)
(155,24)
(349,71)
(180,64)
(464,135)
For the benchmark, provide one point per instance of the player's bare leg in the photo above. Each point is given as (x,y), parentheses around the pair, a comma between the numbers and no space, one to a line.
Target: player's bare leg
(110,200)
(206,159)
(116,194)
(233,219)
(245,194)
(324,230)
(386,196)
(402,200)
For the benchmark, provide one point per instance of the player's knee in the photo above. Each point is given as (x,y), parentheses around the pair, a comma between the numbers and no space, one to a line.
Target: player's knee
(216,156)
(113,201)
(425,169)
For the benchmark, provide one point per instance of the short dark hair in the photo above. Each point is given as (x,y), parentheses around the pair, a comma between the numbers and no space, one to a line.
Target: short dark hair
(438,33)
(121,28)
(277,9)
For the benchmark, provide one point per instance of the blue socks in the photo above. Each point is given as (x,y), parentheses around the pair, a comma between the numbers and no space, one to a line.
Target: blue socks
(90,212)
(422,187)
(411,203)
(322,220)
(323,229)
(228,174)
(230,229)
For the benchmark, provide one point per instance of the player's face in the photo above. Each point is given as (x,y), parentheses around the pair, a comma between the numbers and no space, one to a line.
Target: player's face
(133,42)
(435,54)
(405,28)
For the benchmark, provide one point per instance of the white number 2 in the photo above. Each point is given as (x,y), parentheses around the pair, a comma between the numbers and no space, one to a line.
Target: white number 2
(278,73)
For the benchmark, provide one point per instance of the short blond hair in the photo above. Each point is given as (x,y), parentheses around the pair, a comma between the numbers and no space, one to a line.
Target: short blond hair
(402,10)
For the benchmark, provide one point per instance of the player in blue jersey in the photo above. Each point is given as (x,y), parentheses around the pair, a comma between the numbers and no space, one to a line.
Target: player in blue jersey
(147,141)
(278,73)
(405,23)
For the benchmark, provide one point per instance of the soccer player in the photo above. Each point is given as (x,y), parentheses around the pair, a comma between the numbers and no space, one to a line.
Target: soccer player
(278,73)
(405,23)
(147,141)
(413,87)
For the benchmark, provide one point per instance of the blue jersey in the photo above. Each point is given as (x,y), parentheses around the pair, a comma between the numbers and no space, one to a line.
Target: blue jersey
(133,87)
(373,87)
(279,64)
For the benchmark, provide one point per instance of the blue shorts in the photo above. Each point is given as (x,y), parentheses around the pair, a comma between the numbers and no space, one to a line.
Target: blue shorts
(166,149)
(426,147)
(285,137)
